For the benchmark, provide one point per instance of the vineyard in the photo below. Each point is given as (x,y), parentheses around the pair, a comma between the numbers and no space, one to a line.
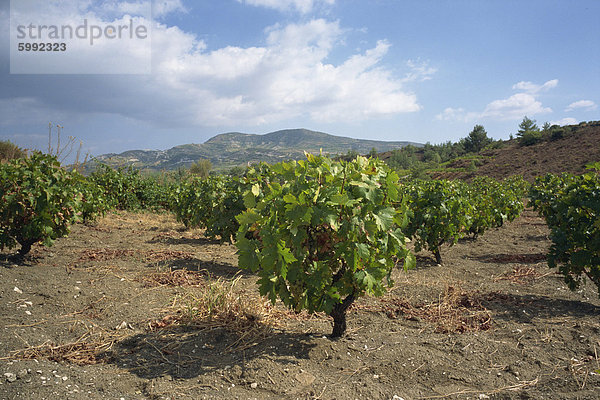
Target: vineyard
(305,279)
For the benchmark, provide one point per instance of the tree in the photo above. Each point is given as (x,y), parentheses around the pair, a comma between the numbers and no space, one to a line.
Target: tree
(528,132)
(477,140)
(546,127)
(373,153)
(351,155)
(527,125)
(432,156)
(9,151)
(201,168)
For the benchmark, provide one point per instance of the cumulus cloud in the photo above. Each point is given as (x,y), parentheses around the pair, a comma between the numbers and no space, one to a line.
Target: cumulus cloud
(302,6)
(454,114)
(530,87)
(513,107)
(288,76)
(564,121)
(516,106)
(585,105)
(419,71)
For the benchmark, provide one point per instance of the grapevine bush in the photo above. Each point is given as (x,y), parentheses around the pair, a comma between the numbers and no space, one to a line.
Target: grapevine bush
(127,189)
(93,200)
(441,213)
(38,201)
(211,203)
(571,208)
(495,203)
(321,233)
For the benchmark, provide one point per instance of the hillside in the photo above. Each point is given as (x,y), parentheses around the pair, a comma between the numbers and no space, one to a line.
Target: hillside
(581,146)
(231,149)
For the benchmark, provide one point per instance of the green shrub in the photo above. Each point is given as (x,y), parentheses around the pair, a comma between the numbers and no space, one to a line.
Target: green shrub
(127,189)
(211,203)
(321,234)
(440,213)
(38,201)
(10,151)
(571,207)
(93,200)
(530,138)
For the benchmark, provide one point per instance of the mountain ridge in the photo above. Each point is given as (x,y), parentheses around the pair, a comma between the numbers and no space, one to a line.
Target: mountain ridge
(231,149)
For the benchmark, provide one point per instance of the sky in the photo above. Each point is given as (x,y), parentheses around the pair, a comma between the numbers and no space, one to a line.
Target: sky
(421,71)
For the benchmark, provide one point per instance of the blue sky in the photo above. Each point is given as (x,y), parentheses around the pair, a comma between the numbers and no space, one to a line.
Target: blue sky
(424,71)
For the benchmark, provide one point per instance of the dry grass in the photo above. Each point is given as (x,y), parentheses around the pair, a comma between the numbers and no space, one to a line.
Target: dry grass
(522,274)
(179,277)
(218,304)
(85,350)
(107,254)
(455,311)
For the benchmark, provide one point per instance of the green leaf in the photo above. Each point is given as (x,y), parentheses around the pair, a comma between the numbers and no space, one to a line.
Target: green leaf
(339,199)
(248,217)
(363,251)
(384,218)
(289,198)
(410,261)
(249,200)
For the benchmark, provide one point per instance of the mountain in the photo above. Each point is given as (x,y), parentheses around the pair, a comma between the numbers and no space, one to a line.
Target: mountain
(231,149)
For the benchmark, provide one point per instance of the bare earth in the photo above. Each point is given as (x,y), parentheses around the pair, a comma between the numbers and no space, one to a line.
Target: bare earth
(135,307)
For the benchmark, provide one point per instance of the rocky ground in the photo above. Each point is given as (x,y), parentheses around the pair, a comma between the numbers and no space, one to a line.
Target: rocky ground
(136,307)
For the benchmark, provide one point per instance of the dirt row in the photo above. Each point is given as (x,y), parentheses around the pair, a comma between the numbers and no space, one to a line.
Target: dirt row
(136,307)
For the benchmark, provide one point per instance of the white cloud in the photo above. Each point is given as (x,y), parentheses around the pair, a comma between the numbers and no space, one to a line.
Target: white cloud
(285,79)
(302,6)
(420,71)
(289,76)
(586,105)
(514,107)
(564,121)
(532,88)
(453,114)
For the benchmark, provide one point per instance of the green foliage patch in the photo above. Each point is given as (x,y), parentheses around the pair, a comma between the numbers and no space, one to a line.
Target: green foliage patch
(38,201)
(321,233)
(571,207)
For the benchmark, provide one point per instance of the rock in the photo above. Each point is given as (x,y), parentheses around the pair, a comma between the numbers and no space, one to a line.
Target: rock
(16,289)
(305,378)
(254,385)
(22,373)
(124,325)
(397,398)
(10,377)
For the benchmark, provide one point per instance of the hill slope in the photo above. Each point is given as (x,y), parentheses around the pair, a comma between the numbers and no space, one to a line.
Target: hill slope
(579,146)
(235,148)
(570,154)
